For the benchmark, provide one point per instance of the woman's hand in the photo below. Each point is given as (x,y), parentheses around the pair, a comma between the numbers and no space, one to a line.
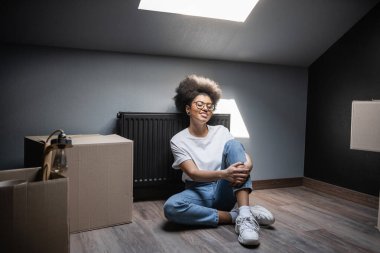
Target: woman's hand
(237,173)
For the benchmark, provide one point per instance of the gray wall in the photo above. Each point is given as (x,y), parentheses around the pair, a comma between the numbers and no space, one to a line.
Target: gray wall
(43,89)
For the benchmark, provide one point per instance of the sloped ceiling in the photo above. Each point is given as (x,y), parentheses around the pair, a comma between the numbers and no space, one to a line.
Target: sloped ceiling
(286,32)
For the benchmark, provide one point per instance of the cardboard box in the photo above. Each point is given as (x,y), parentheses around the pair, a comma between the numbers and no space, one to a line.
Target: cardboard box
(100,179)
(33,214)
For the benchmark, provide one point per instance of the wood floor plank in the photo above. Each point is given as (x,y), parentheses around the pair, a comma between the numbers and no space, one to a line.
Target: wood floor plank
(337,244)
(352,222)
(306,221)
(349,229)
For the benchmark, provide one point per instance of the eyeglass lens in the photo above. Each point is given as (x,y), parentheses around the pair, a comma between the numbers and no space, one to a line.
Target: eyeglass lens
(200,105)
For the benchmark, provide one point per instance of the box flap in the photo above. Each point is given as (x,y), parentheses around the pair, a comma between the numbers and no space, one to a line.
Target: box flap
(81,139)
(98,139)
(28,174)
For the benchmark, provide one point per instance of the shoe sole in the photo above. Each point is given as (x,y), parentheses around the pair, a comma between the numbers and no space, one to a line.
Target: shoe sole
(266,224)
(248,243)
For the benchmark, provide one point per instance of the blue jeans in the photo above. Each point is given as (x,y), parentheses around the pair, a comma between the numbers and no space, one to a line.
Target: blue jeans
(199,203)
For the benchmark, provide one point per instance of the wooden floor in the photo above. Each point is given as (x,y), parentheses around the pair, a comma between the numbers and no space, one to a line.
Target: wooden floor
(306,221)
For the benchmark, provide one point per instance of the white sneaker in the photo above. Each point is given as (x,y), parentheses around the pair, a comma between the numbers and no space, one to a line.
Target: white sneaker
(263,216)
(248,230)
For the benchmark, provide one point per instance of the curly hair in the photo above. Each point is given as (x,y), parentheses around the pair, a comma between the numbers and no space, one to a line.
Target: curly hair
(193,86)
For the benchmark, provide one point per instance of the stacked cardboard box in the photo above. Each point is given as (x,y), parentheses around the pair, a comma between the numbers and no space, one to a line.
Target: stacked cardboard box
(100,179)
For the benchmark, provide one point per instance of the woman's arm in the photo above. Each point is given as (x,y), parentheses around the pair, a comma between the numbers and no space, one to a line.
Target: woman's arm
(237,173)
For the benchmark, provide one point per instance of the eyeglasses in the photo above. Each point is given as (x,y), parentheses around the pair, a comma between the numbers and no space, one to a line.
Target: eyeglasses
(200,105)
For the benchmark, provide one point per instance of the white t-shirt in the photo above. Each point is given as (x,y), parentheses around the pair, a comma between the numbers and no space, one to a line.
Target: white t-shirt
(206,152)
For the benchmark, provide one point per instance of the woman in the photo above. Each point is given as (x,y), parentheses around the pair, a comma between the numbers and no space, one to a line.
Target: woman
(216,169)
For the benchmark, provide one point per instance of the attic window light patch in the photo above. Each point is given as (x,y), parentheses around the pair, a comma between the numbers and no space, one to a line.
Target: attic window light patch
(233,10)
(238,127)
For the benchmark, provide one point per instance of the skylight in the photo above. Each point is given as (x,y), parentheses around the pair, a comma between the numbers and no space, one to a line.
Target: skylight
(233,10)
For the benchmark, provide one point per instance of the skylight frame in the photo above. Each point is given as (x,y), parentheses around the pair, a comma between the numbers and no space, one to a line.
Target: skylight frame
(232,10)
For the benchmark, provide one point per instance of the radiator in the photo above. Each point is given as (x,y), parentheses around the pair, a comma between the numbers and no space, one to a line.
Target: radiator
(151,133)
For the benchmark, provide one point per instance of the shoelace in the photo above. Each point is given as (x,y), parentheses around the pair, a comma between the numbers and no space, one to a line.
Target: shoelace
(248,223)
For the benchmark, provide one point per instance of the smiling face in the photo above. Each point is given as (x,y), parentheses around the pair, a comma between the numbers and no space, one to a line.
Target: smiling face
(201,108)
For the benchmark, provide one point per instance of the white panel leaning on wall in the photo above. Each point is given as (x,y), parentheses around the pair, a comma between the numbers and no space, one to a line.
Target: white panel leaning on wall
(365,129)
